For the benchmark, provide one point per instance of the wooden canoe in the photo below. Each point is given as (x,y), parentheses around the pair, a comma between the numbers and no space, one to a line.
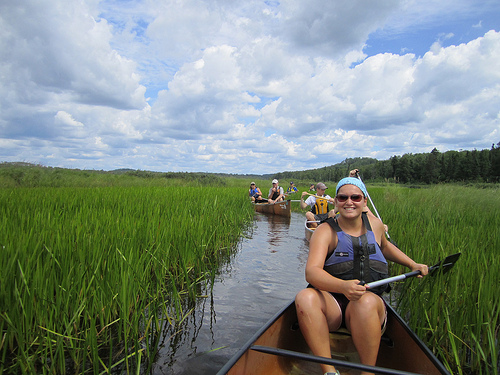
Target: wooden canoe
(280,208)
(279,348)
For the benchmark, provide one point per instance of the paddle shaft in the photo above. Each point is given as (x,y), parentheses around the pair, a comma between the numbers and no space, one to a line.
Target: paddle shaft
(392,279)
(318,197)
(371,202)
(413,273)
(328,361)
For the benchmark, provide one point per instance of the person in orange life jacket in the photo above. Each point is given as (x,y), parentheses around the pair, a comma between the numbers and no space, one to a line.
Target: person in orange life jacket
(335,266)
(255,193)
(319,207)
(276,193)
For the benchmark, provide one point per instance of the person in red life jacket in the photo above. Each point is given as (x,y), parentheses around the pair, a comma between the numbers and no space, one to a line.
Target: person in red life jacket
(276,193)
(255,193)
(318,206)
(346,252)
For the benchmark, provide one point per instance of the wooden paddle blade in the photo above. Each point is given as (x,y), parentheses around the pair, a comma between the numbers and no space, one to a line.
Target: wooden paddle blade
(445,265)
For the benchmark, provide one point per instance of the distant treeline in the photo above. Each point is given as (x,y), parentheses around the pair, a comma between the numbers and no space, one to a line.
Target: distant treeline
(426,168)
(34,175)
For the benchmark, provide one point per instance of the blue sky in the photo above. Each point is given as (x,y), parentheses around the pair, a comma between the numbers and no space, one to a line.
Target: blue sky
(245,87)
(448,29)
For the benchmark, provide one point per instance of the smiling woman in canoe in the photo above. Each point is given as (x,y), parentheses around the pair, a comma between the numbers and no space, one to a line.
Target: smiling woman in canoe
(356,252)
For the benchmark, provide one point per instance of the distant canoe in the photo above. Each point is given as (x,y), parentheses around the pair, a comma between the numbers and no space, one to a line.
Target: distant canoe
(309,231)
(280,208)
(279,348)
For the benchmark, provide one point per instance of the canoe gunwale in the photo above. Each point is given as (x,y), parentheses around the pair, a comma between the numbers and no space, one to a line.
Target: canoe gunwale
(252,339)
(435,361)
(308,231)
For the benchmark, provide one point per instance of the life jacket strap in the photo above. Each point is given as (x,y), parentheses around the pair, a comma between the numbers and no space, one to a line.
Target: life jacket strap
(361,264)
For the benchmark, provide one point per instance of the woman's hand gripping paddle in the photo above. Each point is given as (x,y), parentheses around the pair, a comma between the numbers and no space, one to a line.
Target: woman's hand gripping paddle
(443,266)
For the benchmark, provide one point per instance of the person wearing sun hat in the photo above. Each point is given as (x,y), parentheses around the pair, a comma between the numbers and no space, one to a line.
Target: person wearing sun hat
(255,193)
(346,252)
(276,193)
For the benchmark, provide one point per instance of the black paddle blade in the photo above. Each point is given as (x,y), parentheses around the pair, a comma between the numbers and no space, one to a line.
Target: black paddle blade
(445,265)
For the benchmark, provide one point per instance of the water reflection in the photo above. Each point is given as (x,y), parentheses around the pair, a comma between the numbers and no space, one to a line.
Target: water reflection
(278,228)
(264,273)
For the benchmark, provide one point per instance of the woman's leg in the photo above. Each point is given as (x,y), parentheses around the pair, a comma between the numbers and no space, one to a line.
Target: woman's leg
(318,314)
(364,319)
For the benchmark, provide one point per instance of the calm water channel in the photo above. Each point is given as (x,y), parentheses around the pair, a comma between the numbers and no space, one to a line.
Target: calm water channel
(263,276)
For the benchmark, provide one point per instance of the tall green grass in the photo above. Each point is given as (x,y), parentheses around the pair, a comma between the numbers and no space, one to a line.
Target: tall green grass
(457,314)
(88,275)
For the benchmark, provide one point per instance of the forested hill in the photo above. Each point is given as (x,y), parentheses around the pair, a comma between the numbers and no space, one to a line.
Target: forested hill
(434,167)
(427,168)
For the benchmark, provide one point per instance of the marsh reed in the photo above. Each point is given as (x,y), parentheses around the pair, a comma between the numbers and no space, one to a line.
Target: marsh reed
(456,314)
(88,276)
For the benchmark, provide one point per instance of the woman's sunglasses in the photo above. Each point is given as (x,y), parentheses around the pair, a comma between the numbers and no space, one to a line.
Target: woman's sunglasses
(354,197)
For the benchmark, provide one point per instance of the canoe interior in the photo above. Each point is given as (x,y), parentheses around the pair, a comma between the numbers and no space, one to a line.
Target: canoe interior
(400,349)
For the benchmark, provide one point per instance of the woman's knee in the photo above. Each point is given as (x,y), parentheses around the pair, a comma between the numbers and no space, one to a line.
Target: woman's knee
(366,306)
(370,300)
(308,298)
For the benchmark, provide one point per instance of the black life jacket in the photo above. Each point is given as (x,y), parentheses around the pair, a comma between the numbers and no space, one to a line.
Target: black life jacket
(276,194)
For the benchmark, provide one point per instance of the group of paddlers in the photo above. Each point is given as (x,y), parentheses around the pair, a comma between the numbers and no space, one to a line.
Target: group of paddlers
(347,250)
(276,193)
(321,205)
